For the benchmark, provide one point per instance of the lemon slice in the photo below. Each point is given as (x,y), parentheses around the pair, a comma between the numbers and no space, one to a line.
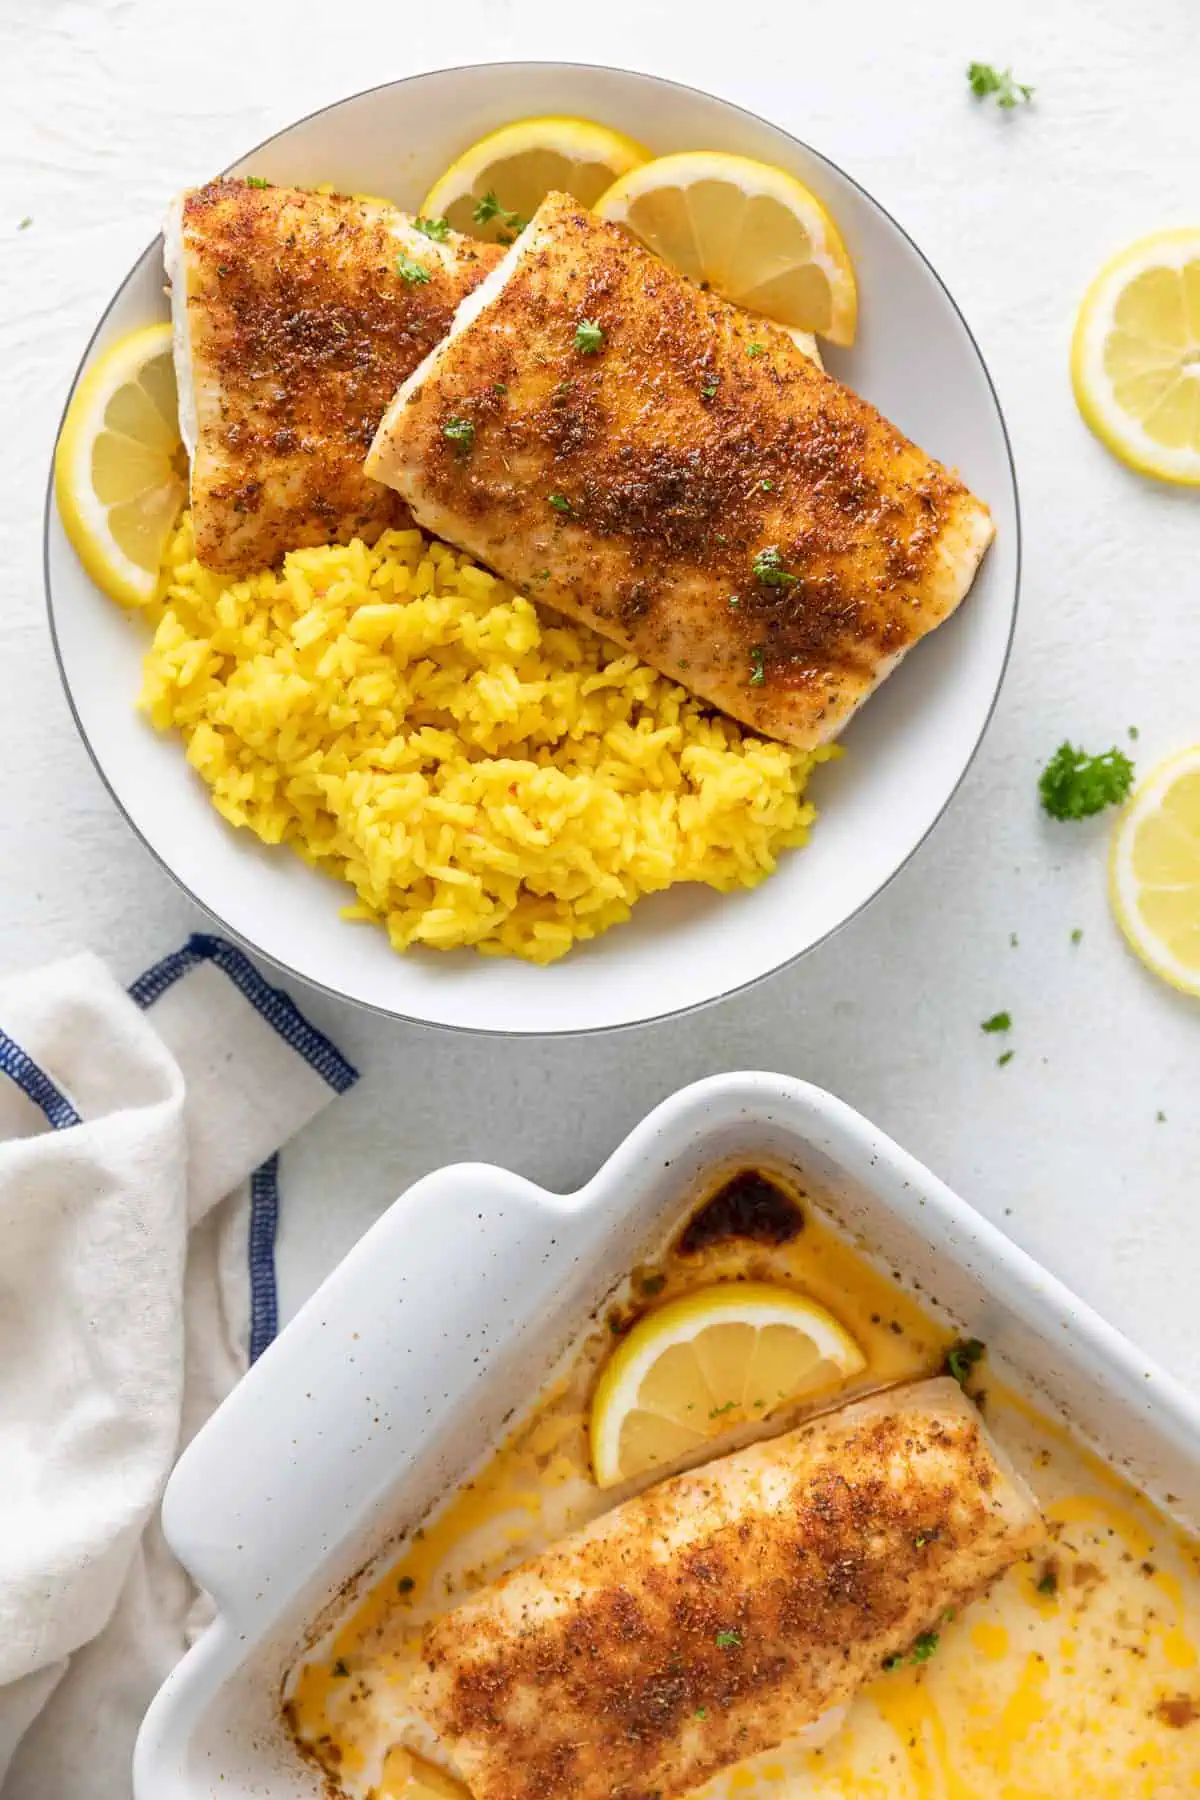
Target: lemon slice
(705,1362)
(1135,356)
(520,164)
(120,471)
(752,232)
(1154,872)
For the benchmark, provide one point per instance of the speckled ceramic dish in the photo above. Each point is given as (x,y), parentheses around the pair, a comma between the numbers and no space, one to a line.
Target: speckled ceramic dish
(395,1379)
(905,755)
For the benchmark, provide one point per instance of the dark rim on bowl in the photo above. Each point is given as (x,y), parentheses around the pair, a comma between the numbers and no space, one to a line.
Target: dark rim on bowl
(387,1012)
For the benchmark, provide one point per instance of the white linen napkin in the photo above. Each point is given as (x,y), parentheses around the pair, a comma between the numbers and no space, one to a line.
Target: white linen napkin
(138,1163)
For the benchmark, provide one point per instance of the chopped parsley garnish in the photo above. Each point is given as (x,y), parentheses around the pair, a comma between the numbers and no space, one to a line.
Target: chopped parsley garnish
(1077,935)
(222,270)
(758,673)
(962,1357)
(985,80)
(26,222)
(437,229)
(560,503)
(701,1712)
(405,1584)
(410,271)
(588,336)
(714,1412)
(735,599)
(461,433)
(258,181)
(1048,1584)
(728,1640)
(541,575)
(767,484)
(1013,940)
(709,389)
(499,387)
(925,1646)
(490,208)
(1074,785)
(1160,1118)
(1133,730)
(1000,1021)
(755,349)
(340,1669)
(920,1542)
(1005,1058)
(768,568)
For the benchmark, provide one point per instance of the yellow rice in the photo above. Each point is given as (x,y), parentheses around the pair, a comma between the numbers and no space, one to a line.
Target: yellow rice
(479,772)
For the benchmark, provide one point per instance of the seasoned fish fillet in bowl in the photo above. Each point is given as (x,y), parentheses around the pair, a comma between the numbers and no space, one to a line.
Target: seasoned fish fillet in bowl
(904,753)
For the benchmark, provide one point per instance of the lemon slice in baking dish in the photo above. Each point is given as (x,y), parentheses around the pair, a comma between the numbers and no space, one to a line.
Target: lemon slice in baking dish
(120,470)
(496,185)
(714,1358)
(1135,356)
(752,232)
(1154,873)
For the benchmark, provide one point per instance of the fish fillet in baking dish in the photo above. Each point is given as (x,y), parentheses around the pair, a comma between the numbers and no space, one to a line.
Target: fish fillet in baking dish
(688,482)
(722,1612)
(293,328)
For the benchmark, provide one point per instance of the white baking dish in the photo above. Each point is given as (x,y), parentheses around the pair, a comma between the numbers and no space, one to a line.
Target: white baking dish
(401,1371)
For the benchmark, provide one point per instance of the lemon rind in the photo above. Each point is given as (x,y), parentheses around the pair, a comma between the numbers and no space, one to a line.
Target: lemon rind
(1124,887)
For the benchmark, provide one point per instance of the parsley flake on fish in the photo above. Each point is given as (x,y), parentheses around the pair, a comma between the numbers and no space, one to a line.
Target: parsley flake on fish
(768,568)
(728,1640)
(437,229)
(560,503)
(461,433)
(925,1646)
(1074,785)
(758,673)
(986,80)
(588,337)
(755,349)
(410,271)
(257,181)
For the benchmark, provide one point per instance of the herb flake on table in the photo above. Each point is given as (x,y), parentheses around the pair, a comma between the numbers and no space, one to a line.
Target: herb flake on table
(26,222)
(1001,1021)
(984,81)
(1005,1058)
(436,229)
(1074,785)
(1077,935)
(589,337)
(410,271)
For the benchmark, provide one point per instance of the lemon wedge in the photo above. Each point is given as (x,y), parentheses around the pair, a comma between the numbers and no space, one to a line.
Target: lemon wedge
(496,185)
(710,1360)
(752,232)
(1154,871)
(120,471)
(1135,356)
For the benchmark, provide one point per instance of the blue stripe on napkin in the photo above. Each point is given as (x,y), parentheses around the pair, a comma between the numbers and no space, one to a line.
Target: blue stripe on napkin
(274,1005)
(36,1084)
(318,1052)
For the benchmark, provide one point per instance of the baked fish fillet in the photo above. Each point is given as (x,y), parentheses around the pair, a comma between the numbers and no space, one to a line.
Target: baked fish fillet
(695,488)
(722,1612)
(293,328)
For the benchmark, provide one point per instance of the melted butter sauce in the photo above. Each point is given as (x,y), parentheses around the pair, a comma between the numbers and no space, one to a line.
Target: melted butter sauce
(1078,1675)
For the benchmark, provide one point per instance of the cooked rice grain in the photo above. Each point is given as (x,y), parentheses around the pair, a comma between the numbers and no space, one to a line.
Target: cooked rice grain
(479,772)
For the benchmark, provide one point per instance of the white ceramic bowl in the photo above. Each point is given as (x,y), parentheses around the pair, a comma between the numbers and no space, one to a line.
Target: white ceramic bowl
(906,754)
(394,1380)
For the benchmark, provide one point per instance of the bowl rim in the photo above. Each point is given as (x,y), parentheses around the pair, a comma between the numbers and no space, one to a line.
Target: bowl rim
(566,1031)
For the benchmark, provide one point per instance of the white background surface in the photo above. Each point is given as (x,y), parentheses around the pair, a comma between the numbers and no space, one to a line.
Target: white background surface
(109,106)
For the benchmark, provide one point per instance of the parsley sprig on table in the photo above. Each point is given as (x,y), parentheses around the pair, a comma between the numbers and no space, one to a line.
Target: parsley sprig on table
(1074,785)
(985,80)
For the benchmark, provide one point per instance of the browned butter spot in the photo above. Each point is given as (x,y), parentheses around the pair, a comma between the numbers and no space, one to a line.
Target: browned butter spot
(749,1206)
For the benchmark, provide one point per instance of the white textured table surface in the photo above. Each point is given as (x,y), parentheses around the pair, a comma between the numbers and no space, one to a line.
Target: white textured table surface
(109,104)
